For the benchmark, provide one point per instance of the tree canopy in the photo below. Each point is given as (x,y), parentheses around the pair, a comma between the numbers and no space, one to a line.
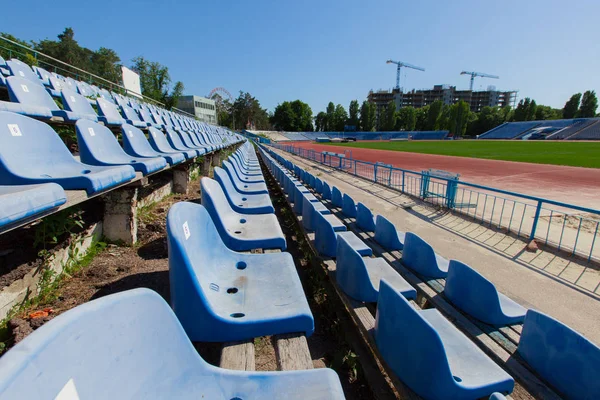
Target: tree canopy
(156,82)
(295,116)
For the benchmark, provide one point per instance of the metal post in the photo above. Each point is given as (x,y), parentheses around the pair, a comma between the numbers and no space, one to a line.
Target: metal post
(538,210)
(403,176)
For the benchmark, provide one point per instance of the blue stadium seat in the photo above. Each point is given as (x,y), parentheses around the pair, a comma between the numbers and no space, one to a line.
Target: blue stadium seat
(475,295)
(326,191)
(99,146)
(28,99)
(135,144)
(55,86)
(298,194)
(244,187)
(3,68)
(246,172)
(364,218)
(76,107)
(23,71)
(142,352)
(243,203)
(309,208)
(240,296)
(497,396)
(32,152)
(159,142)
(42,74)
(419,256)
(25,201)
(132,118)
(175,141)
(326,238)
(188,142)
(240,232)
(431,355)
(147,117)
(564,358)
(318,185)
(387,236)
(348,206)
(109,113)
(336,197)
(242,175)
(359,276)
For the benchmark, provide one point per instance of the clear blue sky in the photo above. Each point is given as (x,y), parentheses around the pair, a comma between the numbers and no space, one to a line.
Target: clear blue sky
(321,51)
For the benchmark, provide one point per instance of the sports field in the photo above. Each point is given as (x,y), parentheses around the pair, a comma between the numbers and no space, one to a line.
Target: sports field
(575,154)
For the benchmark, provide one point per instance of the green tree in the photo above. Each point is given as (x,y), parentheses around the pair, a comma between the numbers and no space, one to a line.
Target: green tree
(367,116)
(406,119)
(248,114)
(526,110)
(340,116)
(295,116)
(389,117)
(433,115)
(543,112)
(156,82)
(330,120)
(320,121)
(487,118)
(421,118)
(571,106)
(458,118)
(589,105)
(353,111)
(106,64)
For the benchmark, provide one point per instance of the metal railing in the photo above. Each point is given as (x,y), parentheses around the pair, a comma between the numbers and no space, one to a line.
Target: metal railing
(565,227)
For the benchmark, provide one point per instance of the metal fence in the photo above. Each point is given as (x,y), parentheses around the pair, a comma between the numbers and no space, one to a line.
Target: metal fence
(565,227)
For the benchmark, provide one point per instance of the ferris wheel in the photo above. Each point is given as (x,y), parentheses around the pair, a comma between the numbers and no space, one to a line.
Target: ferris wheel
(222,93)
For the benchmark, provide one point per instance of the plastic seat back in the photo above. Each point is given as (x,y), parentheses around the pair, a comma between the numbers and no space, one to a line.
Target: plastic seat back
(78,104)
(409,352)
(351,273)
(27,147)
(386,234)
(562,356)
(326,191)
(109,111)
(130,114)
(364,218)
(23,71)
(336,197)
(348,206)
(129,353)
(418,255)
(23,92)
(472,293)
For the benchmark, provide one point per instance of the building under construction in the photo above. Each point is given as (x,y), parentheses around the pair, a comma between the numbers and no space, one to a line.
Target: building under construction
(447,94)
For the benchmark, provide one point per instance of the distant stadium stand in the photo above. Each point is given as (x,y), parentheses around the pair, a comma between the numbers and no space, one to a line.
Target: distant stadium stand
(577,126)
(591,132)
(509,130)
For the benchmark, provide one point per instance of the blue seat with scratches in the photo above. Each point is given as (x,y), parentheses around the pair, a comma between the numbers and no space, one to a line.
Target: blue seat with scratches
(364,218)
(563,357)
(240,232)
(326,238)
(419,256)
(244,187)
(386,234)
(468,290)
(240,296)
(360,277)
(32,152)
(135,144)
(430,355)
(142,353)
(348,206)
(99,146)
(243,203)
(18,202)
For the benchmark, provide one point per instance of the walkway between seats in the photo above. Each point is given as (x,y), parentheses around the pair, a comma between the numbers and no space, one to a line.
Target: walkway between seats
(559,287)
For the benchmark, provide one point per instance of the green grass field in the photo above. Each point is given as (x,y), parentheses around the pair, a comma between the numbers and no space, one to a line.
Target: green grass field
(575,154)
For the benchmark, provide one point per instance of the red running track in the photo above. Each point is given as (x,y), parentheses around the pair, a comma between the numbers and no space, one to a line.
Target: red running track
(574,185)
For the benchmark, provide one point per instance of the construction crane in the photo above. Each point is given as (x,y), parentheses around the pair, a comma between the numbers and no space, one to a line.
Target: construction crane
(401,64)
(481,74)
